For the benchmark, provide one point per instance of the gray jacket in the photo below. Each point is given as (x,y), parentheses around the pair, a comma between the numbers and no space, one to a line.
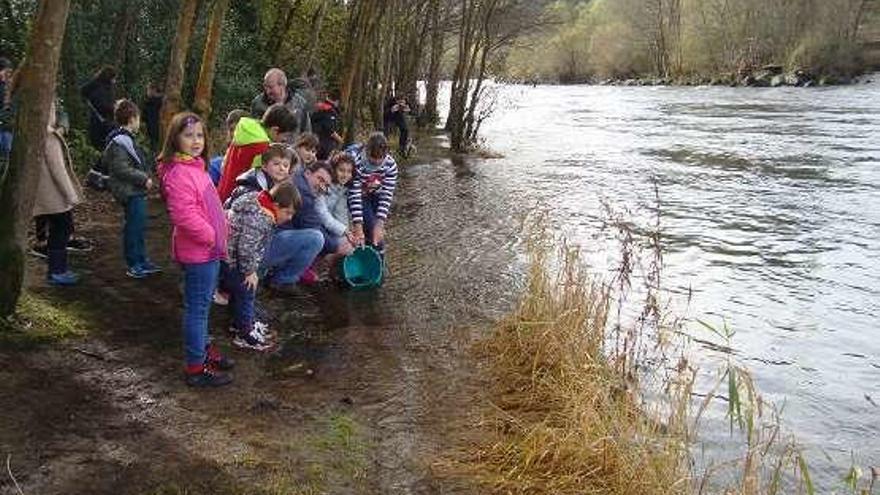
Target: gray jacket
(333,209)
(295,102)
(250,228)
(127,166)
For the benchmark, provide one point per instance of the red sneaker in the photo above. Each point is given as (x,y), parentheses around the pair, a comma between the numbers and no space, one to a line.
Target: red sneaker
(309,277)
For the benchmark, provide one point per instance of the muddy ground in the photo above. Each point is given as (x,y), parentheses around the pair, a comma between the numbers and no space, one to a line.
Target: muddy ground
(370,392)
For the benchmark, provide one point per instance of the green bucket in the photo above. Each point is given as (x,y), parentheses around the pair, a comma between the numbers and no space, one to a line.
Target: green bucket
(363,268)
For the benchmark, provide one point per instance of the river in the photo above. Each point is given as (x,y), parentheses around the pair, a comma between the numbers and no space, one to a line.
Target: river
(770,213)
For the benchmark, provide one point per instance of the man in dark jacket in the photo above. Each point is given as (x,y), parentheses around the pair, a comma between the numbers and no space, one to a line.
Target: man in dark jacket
(325,124)
(396,109)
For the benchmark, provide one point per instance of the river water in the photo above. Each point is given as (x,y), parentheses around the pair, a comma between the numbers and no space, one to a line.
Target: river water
(770,214)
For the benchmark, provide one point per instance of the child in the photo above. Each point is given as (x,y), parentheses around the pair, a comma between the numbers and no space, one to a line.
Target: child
(198,240)
(253,218)
(215,168)
(129,182)
(306,149)
(332,207)
(275,168)
(250,140)
(372,190)
(56,195)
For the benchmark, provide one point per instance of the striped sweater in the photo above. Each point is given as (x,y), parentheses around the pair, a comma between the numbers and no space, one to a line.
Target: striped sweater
(371,181)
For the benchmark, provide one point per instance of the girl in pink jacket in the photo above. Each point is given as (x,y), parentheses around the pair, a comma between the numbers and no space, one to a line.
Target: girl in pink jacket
(198,241)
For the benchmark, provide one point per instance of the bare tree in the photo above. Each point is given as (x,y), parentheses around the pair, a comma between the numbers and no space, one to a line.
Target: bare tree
(486,27)
(35,92)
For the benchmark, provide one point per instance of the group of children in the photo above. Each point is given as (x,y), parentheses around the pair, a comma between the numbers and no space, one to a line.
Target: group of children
(264,214)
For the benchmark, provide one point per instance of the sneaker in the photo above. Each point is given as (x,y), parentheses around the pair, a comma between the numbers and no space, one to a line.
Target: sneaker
(79,245)
(149,268)
(221,298)
(205,376)
(136,272)
(67,278)
(251,340)
(262,328)
(40,250)
(216,360)
(309,277)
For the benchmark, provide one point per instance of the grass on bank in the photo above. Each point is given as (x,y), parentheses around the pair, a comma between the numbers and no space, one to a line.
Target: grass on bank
(39,320)
(571,414)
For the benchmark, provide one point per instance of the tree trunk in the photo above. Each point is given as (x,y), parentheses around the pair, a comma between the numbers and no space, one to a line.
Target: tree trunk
(205,86)
(36,90)
(176,66)
(279,34)
(363,25)
(317,22)
(432,82)
(124,20)
(73,102)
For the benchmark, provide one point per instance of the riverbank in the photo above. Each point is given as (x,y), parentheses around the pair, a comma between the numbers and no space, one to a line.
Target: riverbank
(770,76)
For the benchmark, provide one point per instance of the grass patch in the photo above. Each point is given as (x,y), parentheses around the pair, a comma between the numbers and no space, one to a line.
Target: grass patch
(39,321)
(335,456)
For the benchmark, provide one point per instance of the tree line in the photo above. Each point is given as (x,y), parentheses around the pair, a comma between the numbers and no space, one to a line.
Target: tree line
(682,40)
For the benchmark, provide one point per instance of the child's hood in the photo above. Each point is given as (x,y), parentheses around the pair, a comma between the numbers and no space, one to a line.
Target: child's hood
(249,131)
(248,205)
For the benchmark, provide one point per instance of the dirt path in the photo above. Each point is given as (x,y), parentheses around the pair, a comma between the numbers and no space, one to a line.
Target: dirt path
(367,392)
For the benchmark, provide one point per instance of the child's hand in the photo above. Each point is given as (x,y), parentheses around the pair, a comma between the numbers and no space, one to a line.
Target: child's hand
(378,233)
(251,281)
(357,234)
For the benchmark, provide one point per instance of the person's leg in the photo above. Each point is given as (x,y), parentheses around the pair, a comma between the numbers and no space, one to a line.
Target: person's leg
(404,135)
(370,206)
(133,231)
(59,225)
(290,252)
(41,229)
(199,282)
(240,301)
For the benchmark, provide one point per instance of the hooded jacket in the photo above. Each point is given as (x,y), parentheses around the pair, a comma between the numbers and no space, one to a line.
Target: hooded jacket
(250,227)
(249,141)
(126,164)
(198,224)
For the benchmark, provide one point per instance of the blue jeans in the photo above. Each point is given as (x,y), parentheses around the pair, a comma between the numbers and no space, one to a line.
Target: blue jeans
(199,282)
(5,142)
(370,205)
(290,252)
(241,299)
(133,231)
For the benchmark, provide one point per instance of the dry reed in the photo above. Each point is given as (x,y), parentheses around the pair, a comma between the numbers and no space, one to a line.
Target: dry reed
(566,419)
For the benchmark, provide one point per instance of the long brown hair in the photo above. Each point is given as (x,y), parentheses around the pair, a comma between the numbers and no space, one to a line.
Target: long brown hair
(175,128)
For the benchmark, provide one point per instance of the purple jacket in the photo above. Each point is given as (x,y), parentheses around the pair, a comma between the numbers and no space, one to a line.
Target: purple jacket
(199,225)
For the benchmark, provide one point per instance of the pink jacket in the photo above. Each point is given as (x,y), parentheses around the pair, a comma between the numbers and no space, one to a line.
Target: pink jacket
(199,225)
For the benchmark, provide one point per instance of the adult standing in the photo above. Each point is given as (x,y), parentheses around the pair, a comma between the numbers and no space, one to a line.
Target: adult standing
(151,108)
(99,94)
(276,90)
(57,193)
(325,124)
(396,109)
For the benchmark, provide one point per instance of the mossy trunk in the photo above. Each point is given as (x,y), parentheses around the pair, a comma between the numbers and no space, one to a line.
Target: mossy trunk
(35,92)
